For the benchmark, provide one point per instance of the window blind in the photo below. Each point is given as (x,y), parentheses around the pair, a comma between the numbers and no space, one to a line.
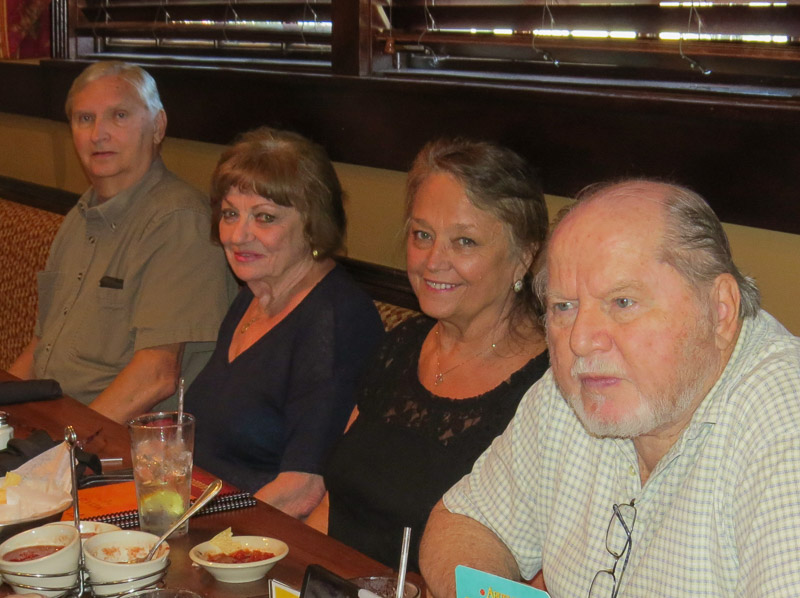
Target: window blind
(734,42)
(294,33)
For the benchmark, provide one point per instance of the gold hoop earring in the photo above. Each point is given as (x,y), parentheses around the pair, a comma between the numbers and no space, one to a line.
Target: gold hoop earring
(315,254)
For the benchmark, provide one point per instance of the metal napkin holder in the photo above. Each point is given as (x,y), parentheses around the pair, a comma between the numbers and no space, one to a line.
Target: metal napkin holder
(84,586)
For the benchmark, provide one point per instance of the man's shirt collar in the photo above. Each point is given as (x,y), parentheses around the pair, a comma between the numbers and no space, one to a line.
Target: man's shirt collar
(114,210)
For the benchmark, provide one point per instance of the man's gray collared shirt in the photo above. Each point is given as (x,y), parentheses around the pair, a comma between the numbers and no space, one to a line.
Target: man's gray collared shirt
(134,272)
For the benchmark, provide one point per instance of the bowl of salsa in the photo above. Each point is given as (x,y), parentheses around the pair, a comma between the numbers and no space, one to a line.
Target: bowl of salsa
(51,551)
(242,559)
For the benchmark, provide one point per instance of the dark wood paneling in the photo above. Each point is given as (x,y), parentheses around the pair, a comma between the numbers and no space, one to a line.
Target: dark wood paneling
(740,153)
(38,196)
(382,283)
(22,89)
(350,41)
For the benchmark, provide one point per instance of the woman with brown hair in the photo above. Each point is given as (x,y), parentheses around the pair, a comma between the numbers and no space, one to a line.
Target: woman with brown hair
(278,390)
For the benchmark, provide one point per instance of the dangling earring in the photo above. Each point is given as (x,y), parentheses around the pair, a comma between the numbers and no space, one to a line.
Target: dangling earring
(315,254)
(517,285)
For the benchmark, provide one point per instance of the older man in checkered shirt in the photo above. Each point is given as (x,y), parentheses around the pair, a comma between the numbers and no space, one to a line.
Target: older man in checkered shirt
(660,455)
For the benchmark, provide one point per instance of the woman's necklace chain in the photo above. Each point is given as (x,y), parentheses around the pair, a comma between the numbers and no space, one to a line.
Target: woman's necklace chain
(250,322)
(438,377)
(246,326)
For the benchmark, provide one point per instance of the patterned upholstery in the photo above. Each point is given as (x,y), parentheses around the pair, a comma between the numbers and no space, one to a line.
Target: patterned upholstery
(25,237)
(392,315)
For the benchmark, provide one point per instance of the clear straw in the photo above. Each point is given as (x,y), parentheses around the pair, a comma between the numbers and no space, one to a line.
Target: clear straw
(180,409)
(401,571)
(180,400)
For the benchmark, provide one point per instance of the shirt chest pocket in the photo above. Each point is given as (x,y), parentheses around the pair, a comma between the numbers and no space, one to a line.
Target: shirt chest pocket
(111,299)
(107,335)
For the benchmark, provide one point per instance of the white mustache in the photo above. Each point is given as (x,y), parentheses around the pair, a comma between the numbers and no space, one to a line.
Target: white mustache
(595,366)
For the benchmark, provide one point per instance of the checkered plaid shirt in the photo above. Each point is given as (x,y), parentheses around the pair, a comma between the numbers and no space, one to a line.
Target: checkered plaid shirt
(719,516)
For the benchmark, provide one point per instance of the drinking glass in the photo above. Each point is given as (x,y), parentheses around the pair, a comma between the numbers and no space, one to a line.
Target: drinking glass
(161,449)
(385,586)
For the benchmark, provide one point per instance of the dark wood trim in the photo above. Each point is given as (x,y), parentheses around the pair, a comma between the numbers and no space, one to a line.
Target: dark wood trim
(350,39)
(37,196)
(739,152)
(382,283)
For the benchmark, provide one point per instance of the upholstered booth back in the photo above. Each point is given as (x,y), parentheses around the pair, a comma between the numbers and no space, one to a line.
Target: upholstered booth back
(25,237)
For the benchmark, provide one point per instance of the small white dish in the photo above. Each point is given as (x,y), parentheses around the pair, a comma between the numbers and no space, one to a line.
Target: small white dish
(108,559)
(91,528)
(240,572)
(59,568)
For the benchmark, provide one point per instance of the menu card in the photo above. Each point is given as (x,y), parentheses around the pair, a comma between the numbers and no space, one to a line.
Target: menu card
(116,503)
(279,589)
(471,583)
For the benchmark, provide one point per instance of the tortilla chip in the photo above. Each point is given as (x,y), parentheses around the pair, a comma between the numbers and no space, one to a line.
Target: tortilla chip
(225,542)
(11,479)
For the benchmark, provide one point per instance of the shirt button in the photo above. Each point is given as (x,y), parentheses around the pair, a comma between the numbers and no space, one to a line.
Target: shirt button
(47,348)
(631,471)
(91,240)
(80,275)
(66,309)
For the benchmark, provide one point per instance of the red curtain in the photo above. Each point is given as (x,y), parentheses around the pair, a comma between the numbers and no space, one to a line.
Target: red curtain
(24,28)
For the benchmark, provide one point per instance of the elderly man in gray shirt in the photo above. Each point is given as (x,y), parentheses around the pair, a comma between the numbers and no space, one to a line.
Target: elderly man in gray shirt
(134,291)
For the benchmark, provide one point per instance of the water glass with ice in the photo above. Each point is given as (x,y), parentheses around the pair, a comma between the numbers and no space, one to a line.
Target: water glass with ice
(161,449)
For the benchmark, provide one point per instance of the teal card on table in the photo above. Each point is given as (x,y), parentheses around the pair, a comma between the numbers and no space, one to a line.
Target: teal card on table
(471,583)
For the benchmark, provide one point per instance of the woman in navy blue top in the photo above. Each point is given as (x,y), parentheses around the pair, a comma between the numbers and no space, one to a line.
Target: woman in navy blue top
(279,388)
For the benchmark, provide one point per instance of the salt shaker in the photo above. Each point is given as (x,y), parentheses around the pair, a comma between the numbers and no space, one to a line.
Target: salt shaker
(6,431)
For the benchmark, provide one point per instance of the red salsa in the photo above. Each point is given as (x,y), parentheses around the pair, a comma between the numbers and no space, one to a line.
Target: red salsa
(245,555)
(29,553)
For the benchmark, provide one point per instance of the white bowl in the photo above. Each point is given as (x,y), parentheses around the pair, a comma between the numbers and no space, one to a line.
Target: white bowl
(61,567)
(10,528)
(240,572)
(107,557)
(92,528)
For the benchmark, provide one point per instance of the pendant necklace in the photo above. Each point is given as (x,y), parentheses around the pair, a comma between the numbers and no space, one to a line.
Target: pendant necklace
(438,377)
(250,322)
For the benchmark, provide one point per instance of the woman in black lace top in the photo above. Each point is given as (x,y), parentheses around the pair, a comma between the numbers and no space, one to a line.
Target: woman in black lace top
(443,386)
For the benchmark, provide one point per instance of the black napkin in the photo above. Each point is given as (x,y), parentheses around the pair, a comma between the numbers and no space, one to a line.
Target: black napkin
(21,450)
(22,391)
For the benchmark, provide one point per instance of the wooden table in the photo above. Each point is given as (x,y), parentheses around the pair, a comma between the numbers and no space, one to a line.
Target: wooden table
(306,545)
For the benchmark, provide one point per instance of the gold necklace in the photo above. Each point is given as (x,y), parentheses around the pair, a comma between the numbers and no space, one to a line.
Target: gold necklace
(438,377)
(252,321)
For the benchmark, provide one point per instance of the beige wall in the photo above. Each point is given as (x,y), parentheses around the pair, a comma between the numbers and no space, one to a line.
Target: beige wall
(40,151)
